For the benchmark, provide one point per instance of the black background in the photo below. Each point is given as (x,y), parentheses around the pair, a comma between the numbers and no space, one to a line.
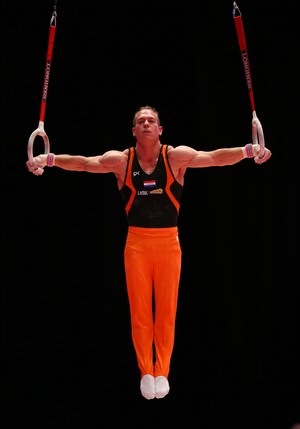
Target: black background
(69,359)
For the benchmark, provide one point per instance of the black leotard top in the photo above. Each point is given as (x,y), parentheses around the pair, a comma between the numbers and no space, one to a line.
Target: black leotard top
(151,200)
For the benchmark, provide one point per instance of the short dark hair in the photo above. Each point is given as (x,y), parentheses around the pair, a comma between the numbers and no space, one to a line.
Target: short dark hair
(148,108)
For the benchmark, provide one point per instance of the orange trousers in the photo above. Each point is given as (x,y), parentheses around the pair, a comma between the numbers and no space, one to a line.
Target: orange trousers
(152,259)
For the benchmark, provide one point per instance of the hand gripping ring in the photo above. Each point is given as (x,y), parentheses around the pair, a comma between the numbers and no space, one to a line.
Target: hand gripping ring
(38,132)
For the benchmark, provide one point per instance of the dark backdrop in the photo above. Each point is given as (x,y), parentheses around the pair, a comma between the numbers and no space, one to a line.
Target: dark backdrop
(66,339)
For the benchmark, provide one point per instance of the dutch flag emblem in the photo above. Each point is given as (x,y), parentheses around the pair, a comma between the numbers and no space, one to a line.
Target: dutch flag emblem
(149,184)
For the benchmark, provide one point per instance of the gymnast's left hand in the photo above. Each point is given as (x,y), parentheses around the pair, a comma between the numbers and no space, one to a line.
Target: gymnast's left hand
(265,157)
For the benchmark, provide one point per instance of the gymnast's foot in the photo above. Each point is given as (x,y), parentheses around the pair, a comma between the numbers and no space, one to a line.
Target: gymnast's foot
(162,387)
(148,386)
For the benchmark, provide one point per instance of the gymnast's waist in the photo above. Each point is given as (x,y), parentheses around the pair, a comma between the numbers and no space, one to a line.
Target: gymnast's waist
(150,232)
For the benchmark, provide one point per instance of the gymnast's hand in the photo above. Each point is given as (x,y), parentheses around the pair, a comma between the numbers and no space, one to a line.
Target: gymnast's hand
(37,165)
(261,159)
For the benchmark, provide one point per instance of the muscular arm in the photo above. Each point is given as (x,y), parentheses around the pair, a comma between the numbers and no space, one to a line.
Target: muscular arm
(187,157)
(112,161)
(183,157)
(109,162)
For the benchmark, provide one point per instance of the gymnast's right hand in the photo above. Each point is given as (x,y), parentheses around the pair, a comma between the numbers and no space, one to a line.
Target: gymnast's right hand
(37,165)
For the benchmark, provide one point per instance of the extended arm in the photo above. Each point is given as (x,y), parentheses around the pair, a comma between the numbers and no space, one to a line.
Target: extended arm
(183,157)
(112,161)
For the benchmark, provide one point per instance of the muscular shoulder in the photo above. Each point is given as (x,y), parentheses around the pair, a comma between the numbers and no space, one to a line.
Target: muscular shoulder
(114,157)
(112,161)
(181,156)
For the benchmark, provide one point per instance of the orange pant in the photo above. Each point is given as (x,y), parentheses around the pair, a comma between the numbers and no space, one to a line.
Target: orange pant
(152,265)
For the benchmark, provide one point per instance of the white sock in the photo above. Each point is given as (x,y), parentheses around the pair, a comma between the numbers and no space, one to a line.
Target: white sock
(162,387)
(148,386)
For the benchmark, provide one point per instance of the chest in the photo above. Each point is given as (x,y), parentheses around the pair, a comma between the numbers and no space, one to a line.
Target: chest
(149,175)
(148,167)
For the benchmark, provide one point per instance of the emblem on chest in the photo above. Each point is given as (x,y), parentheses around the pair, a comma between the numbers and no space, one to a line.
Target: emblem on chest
(149,184)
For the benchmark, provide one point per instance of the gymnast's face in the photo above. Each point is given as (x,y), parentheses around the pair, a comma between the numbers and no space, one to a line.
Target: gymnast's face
(146,125)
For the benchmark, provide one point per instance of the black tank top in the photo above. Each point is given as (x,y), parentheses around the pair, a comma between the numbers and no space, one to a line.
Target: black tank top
(151,200)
